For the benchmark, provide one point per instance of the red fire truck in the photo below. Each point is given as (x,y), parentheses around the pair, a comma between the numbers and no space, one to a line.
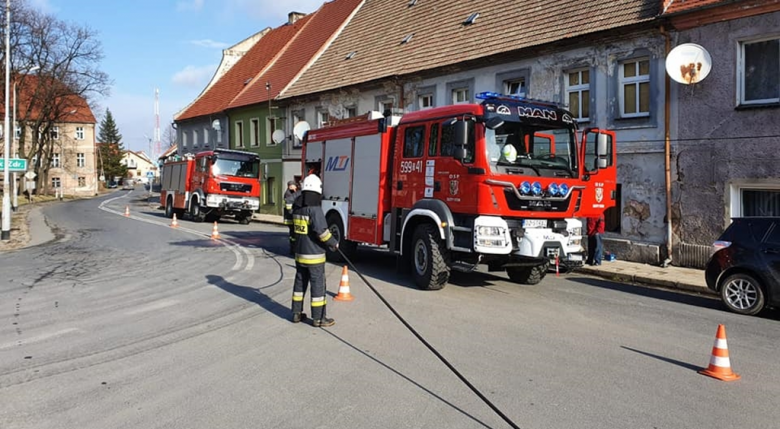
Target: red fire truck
(210,184)
(497,183)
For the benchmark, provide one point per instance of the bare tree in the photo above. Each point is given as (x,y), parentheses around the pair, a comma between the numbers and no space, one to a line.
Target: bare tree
(169,138)
(68,56)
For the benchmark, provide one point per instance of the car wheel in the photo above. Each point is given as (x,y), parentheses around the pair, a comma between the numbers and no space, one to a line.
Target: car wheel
(196,212)
(742,294)
(528,275)
(169,208)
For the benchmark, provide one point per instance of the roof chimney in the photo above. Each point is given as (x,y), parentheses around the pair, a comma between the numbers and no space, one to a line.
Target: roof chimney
(294,16)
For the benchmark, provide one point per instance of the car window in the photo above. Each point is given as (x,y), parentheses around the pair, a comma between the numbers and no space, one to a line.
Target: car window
(773,237)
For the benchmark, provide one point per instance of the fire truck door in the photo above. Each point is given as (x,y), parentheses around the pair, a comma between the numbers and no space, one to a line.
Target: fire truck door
(409,184)
(598,157)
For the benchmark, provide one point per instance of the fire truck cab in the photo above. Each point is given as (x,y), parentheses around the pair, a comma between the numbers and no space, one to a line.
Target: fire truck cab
(499,183)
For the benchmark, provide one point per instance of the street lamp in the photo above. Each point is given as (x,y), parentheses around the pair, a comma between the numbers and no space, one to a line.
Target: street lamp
(16,190)
(6,227)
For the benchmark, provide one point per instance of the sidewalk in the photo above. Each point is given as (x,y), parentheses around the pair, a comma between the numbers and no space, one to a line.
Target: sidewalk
(687,279)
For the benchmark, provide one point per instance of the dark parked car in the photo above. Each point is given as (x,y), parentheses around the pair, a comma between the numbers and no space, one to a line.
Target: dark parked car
(745,268)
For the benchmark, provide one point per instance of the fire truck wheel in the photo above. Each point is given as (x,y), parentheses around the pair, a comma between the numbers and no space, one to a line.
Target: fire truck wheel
(527,275)
(196,213)
(347,247)
(169,208)
(430,258)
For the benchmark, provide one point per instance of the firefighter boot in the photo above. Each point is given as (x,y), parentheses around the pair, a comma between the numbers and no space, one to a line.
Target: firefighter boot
(297,317)
(323,323)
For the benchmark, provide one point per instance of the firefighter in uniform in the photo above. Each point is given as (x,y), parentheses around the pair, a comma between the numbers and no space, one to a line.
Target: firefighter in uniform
(312,239)
(289,198)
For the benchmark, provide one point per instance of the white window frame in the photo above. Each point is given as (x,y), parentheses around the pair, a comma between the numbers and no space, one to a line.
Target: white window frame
(81,160)
(741,73)
(56,182)
(633,80)
(55,160)
(520,82)
(205,136)
(460,95)
(351,111)
(297,116)
(425,101)
(322,118)
(736,190)
(82,181)
(18,131)
(254,132)
(270,126)
(239,128)
(79,133)
(569,89)
(55,132)
(194,138)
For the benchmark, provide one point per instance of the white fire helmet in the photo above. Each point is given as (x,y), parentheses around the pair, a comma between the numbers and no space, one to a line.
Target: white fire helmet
(509,152)
(312,183)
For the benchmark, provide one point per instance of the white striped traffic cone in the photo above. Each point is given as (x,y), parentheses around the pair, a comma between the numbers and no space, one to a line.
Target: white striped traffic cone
(720,365)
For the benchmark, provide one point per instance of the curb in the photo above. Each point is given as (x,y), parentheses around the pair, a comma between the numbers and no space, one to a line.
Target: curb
(646,280)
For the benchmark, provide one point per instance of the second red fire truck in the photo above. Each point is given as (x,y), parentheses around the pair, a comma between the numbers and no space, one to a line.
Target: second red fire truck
(499,183)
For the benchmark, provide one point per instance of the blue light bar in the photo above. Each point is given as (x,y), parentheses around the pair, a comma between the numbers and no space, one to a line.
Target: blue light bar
(490,95)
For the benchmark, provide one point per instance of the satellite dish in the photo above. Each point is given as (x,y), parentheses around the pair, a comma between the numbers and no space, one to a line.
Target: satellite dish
(216,125)
(688,63)
(278,136)
(300,129)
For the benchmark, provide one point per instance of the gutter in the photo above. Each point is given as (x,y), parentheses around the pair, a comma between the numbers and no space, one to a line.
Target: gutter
(667,149)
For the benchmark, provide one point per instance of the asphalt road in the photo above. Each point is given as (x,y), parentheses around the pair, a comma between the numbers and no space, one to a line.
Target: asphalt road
(124,322)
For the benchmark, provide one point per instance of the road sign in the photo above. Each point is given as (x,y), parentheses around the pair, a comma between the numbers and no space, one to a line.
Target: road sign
(15,164)
(150,174)
(30,175)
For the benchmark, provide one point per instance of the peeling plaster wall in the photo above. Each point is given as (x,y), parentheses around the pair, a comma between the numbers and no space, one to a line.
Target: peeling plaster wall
(640,142)
(714,155)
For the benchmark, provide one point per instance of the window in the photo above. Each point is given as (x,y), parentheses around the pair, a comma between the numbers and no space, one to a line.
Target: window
(79,133)
(205,136)
(425,101)
(414,140)
(351,112)
(514,82)
(194,138)
(254,132)
(384,103)
(577,87)
(759,63)
(18,130)
(184,138)
(460,96)
(80,160)
(239,134)
(634,78)
(760,202)
(297,116)
(219,135)
(56,183)
(322,118)
(271,123)
(55,160)
(515,86)
(55,133)
(433,140)
(269,190)
(82,182)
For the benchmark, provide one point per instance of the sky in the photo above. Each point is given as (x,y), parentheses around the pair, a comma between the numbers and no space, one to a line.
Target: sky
(171,45)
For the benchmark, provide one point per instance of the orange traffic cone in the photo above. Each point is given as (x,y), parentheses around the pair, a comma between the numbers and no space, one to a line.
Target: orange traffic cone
(215,232)
(127,211)
(344,294)
(174,222)
(720,365)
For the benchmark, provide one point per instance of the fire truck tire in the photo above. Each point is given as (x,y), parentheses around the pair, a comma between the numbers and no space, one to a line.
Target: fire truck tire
(196,213)
(169,208)
(336,227)
(527,275)
(429,259)
(213,217)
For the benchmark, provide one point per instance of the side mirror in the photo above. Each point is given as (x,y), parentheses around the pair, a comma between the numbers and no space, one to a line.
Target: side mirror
(460,153)
(460,133)
(602,150)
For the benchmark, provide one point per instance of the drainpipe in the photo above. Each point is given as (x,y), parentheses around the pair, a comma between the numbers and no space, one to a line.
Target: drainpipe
(667,150)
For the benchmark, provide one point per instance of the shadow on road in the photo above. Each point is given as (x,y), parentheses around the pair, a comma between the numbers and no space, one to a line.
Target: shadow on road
(252,295)
(396,372)
(665,359)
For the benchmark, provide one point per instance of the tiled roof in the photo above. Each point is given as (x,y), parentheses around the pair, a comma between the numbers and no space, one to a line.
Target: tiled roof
(308,43)
(260,56)
(675,6)
(440,37)
(71,108)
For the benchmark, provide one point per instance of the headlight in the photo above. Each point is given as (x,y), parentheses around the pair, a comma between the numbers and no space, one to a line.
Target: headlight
(490,231)
(576,231)
(536,188)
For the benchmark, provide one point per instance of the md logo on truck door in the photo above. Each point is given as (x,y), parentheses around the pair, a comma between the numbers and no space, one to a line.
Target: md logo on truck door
(337,163)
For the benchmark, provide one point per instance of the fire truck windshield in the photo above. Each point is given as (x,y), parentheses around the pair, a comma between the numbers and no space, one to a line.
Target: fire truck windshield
(236,167)
(516,148)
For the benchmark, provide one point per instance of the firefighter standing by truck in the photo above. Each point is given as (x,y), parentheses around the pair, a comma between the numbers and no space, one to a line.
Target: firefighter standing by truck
(289,198)
(312,238)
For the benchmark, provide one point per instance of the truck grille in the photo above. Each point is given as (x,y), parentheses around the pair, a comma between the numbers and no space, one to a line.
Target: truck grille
(235,187)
